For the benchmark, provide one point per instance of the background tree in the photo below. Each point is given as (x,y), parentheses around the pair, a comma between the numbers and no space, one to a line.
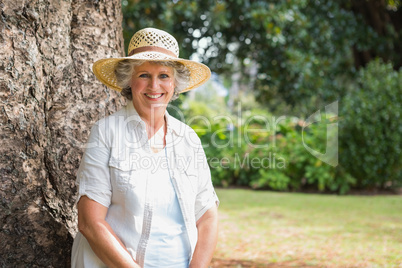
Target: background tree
(49,101)
(307,52)
(382,40)
(295,57)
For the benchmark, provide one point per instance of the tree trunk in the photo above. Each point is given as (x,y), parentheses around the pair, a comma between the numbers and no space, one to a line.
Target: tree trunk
(381,19)
(49,101)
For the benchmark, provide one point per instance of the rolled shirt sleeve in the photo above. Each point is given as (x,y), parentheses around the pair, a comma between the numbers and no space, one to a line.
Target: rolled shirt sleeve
(93,176)
(206,197)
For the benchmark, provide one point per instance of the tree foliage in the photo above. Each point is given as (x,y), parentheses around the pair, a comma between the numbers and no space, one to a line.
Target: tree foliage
(296,56)
(371,127)
(306,51)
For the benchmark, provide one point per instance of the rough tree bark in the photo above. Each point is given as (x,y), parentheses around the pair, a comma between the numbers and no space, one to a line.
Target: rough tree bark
(49,101)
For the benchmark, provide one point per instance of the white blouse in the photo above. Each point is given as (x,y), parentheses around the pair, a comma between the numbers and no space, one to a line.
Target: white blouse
(117,169)
(168,244)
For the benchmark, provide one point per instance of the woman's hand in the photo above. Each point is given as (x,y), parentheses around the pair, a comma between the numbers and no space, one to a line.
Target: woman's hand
(102,239)
(207,227)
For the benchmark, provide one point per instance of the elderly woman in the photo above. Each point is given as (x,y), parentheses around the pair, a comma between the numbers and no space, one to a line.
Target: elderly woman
(145,195)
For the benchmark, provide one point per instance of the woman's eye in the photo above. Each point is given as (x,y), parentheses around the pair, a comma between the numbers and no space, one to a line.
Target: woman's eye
(164,76)
(143,75)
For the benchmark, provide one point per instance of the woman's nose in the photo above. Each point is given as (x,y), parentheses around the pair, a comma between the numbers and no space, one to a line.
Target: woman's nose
(154,83)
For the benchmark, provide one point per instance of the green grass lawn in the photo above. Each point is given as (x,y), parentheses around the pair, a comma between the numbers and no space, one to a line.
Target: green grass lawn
(273,229)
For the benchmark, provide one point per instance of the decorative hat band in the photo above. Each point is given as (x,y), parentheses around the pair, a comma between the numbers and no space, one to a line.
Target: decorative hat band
(153,49)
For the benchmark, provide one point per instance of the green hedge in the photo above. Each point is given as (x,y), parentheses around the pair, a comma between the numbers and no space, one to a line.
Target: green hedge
(262,154)
(371,127)
(259,153)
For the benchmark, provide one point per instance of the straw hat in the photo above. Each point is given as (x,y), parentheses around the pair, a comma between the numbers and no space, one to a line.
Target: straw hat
(151,44)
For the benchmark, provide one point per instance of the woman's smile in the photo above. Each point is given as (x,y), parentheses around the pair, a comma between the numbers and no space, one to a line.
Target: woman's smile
(154,96)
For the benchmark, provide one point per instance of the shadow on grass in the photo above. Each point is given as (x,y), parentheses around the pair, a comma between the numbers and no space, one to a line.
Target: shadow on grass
(217,263)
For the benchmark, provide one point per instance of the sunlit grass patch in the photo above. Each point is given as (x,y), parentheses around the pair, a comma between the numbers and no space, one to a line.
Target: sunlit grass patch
(296,229)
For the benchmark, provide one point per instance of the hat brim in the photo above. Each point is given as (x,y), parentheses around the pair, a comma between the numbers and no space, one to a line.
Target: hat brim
(104,69)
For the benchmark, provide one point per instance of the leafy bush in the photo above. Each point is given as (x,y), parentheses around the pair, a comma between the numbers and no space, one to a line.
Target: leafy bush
(262,154)
(314,173)
(371,128)
(302,170)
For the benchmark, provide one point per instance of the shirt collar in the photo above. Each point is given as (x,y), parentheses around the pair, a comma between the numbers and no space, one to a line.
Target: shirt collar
(132,115)
(173,125)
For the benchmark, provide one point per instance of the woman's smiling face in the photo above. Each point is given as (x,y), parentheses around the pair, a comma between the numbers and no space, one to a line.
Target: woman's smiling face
(152,86)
